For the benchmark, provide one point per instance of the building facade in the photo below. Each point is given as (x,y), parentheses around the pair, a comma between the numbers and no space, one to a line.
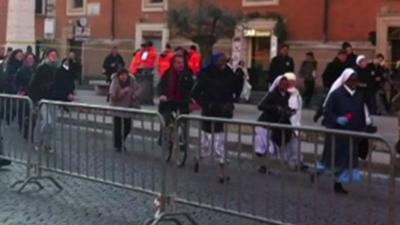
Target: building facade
(91,27)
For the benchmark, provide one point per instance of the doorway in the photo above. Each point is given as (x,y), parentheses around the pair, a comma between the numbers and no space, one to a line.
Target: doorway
(76,47)
(259,58)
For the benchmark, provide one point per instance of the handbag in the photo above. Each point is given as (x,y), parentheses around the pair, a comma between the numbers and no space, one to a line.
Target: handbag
(246,91)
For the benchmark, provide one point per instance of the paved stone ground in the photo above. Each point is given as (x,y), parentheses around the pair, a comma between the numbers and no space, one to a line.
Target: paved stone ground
(84,203)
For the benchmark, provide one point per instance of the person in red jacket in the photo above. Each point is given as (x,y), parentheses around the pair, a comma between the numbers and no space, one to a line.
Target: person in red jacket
(164,60)
(136,60)
(145,78)
(149,57)
(194,60)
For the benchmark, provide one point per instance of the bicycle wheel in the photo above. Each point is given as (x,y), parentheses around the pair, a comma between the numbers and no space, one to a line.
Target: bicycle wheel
(182,147)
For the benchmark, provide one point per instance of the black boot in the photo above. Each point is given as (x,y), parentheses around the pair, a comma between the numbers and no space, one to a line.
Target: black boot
(338,187)
(4,162)
(262,169)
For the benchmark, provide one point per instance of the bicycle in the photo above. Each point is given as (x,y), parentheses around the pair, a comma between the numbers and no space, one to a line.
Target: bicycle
(170,110)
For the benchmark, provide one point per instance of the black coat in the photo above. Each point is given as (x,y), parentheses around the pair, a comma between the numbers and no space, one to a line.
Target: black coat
(215,91)
(339,104)
(378,76)
(110,59)
(23,78)
(186,85)
(10,74)
(275,107)
(279,66)
(351,60)
(332,72)
(42,82)
(63,85)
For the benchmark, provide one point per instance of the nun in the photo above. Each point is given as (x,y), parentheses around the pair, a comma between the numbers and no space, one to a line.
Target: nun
(275,109)
(290,152)
(344,109)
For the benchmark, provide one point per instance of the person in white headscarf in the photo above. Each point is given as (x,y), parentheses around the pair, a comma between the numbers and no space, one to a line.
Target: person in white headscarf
(290,152)
(344,109)
(274,107)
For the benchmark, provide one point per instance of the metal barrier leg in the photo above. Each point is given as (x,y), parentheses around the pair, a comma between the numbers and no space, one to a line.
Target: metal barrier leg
(171,217)
(35,180)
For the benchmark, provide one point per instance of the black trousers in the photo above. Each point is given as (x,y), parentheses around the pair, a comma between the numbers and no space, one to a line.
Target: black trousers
(122,128)
(309,86)
(145,80)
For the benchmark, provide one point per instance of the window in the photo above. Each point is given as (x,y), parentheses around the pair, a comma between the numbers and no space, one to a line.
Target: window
(259,2)
(78,4)
(76,7)
(154,5)
(40,7)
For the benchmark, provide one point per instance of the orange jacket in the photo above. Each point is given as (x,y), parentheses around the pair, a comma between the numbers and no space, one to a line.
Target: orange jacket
(135,63)
(194,61)
(150,60)
(164,62)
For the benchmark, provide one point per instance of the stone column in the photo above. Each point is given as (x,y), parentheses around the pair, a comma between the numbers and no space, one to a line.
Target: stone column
(21,24)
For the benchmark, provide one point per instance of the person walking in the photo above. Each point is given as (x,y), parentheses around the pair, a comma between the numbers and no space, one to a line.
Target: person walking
(332,71)
(21,83)
(275,109)
(281,64)
(145,78)
(41,88)
(351,56)
(123,93)
(25,74)
(344,109)
(175,89)
(214,92)
(290,152)
(164,60)
(136,60)
(75,67)
(63,86)
(42,82)
(194,60)
(14,63)
(366,83)
(308,71)
(112,63)
(380,74)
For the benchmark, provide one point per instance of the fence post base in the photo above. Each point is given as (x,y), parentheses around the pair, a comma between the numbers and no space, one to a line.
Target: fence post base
(171,217)
(35,180)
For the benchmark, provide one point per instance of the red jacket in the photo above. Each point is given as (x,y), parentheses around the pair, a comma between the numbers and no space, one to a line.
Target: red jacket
(194,61)
(135,63)
(150,60)
(164,62)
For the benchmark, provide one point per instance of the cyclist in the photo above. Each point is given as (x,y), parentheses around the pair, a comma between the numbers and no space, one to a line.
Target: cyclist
(175,96)
(174,89)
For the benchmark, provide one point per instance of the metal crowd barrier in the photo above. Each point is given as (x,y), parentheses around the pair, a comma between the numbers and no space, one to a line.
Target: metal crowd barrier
(79,140)
(285,194)
(16,133)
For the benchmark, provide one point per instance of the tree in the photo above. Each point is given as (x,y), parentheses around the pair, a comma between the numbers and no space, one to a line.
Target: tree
(204,24)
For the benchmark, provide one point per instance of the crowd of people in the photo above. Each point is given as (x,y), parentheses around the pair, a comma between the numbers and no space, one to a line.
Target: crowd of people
(354,89)
(21,73)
